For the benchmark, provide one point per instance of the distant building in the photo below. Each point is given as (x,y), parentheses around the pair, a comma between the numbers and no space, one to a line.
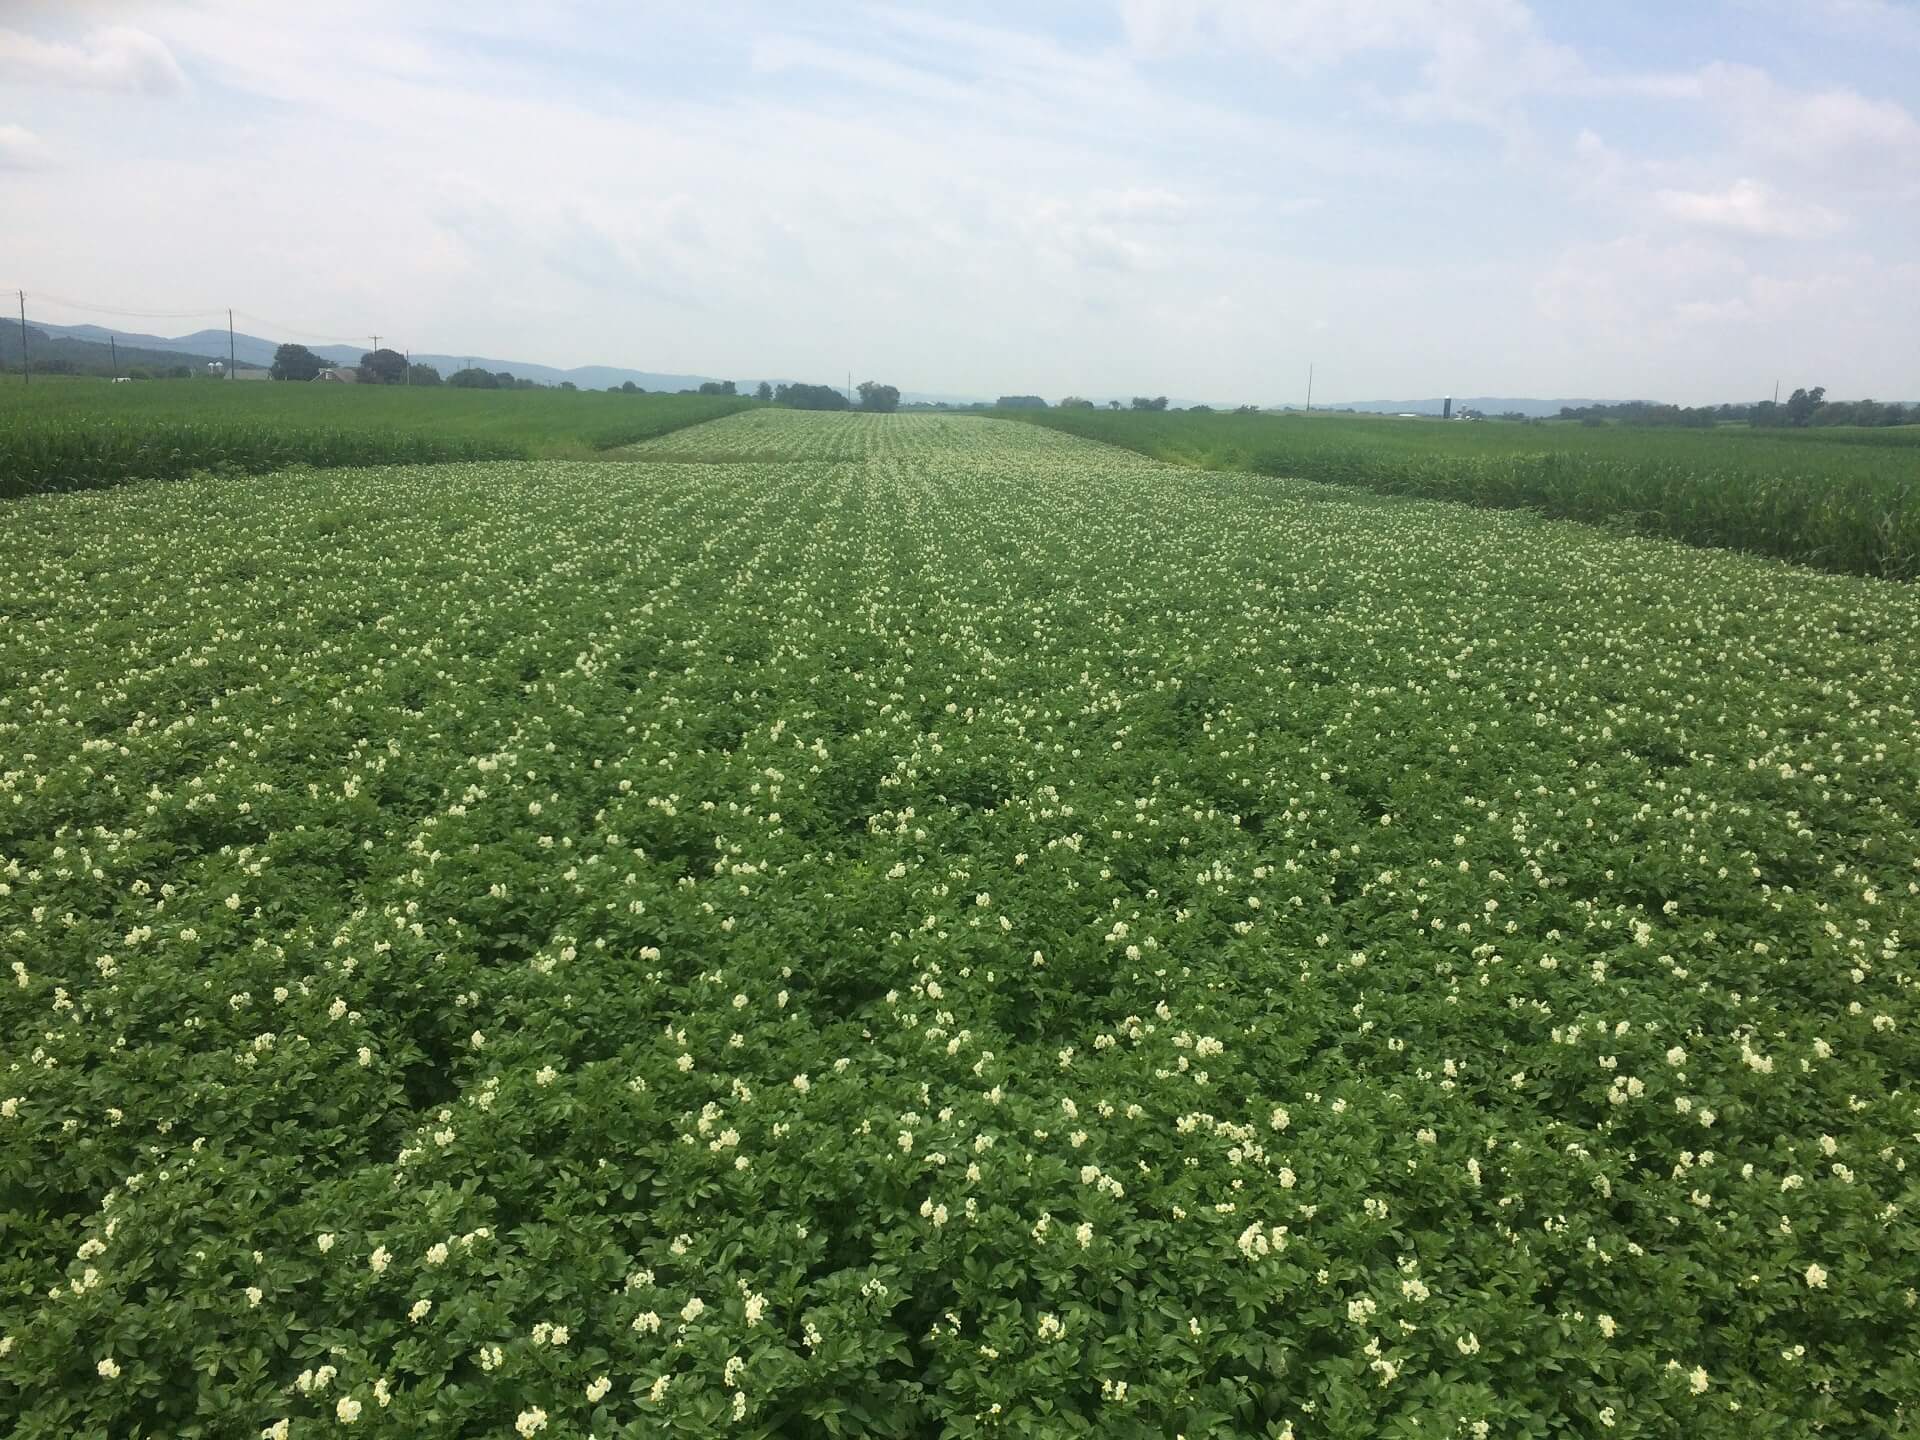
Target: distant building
(339,375)
(1446,408)
(253,372)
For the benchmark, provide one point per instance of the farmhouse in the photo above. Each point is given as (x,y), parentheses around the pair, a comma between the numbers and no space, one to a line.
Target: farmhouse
(339,375)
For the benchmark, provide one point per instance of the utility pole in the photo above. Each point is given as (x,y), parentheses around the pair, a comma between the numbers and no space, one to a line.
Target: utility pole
(409,367)
(1309,387)
(26,370)
(114,350)
(1776,387)
(233,369)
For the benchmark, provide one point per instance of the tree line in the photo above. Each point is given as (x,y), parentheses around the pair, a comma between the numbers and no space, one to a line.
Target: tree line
(390,367)
(1802,409)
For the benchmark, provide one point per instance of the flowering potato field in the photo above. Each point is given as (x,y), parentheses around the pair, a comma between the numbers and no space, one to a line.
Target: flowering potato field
(972,934)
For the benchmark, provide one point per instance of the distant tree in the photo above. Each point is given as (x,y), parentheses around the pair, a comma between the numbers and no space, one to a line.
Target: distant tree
(882,398)
(1802,404)
(179,372)
(763,391)
(1113,404)
(627,387)
(295,362)
(717,387)
(1200,409)
(473,378)
(1074,402)
(1142,402)
(1020,402)
(383,367)
(423,374)
(810,397)
(568,385)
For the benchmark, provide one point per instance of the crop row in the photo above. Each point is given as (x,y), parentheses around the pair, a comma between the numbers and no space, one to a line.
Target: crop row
(1000,938)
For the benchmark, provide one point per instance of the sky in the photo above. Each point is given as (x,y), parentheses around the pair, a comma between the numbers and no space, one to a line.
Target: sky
(1201,198)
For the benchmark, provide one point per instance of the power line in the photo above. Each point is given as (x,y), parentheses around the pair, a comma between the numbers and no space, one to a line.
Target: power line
(279,329)
(65,303)
(213,312)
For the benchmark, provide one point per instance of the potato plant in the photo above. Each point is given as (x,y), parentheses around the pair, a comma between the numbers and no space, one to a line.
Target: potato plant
(971,934)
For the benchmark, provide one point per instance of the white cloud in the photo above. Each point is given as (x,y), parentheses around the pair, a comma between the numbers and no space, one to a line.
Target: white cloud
(1834,134)
(1201,207)
(1301,35)
(1476,57)
(1626,293)
(21,149)
(1751,208)
(117,58)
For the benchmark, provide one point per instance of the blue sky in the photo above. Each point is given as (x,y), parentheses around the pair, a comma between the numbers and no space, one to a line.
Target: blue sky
(1192,197)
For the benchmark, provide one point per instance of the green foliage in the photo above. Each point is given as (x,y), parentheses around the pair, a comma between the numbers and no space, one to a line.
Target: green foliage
(295,362)
(809,397)
(1842,500)
(81,434)
(877,398)
(1802,404)
(383,367)
(991,936)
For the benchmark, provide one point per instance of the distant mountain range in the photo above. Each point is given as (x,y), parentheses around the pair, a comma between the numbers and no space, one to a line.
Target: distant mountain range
(55,342)
(202,345)
(253,350)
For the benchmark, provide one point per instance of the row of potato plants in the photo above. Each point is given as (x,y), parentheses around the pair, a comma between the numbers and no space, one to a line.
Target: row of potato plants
(975,934)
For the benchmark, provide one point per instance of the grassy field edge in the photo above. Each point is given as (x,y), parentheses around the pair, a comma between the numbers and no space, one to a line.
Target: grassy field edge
(83,436)
(1851,511)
